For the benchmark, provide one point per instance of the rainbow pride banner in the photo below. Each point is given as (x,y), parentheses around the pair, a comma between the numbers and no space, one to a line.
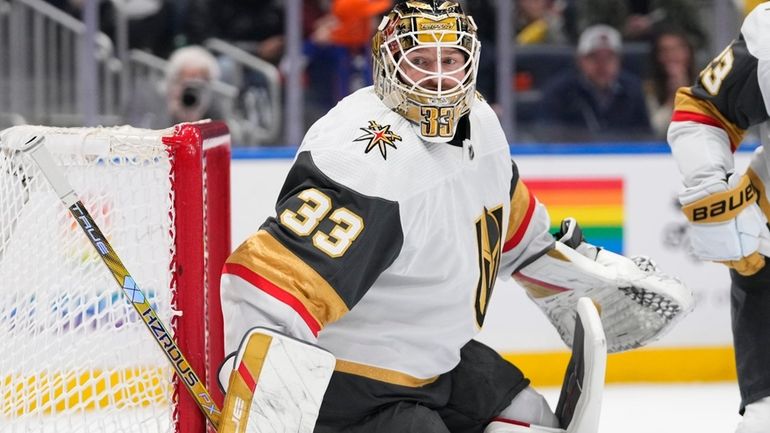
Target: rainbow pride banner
(596,203)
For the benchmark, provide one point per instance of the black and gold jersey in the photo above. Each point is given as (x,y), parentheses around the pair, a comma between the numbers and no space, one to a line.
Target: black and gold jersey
(726,95)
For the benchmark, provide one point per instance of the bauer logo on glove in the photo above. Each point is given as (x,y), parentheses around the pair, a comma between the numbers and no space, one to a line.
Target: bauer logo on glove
(726,222)
(722,206)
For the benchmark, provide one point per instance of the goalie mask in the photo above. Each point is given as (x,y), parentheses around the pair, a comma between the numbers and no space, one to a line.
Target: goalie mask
(425,56)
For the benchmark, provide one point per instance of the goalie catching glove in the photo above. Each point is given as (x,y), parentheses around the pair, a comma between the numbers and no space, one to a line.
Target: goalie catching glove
(638,303)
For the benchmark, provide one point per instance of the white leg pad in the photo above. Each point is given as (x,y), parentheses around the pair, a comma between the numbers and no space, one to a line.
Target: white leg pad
(756,418)
(276,385)
(504,426)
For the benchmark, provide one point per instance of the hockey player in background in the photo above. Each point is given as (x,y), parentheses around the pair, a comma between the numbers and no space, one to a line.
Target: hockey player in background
(728,211)
(399,213)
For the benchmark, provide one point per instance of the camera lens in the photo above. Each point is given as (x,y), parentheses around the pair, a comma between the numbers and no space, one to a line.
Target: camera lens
(190,96)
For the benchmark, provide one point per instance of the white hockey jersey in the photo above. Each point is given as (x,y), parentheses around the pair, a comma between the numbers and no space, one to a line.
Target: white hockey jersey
(385,248)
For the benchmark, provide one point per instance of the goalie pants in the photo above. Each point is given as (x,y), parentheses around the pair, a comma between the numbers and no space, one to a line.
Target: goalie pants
(463,400)
(750,311)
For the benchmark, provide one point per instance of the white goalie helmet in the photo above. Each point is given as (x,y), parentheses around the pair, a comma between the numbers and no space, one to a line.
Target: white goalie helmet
(425,56)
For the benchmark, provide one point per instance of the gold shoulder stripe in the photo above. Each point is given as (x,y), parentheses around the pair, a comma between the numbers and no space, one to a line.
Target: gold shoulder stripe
(382,374)
(265,256)
(522,205)
(685,101)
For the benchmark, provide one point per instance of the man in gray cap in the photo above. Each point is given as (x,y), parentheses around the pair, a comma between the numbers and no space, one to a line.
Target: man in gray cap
(598,98)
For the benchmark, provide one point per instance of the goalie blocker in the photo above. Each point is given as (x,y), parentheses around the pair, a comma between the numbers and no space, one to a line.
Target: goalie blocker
(638,303)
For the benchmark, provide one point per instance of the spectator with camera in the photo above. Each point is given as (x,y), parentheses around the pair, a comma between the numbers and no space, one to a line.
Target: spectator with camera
(185,95)
(189,74)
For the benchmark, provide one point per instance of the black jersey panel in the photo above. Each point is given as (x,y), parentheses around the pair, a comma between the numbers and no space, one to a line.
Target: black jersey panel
(347,237)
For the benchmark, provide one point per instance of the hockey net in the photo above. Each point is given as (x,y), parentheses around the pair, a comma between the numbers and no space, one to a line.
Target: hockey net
(74,355)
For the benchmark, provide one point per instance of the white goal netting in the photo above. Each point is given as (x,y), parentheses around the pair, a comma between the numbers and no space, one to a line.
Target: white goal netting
(74,355)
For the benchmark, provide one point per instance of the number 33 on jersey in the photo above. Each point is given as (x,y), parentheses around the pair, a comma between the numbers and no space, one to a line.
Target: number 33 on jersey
(315,208)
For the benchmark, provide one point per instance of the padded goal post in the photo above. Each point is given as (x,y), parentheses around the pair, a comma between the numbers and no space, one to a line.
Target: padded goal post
(74,355)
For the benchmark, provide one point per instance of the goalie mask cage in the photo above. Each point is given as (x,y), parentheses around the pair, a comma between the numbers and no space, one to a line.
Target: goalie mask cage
(74,355)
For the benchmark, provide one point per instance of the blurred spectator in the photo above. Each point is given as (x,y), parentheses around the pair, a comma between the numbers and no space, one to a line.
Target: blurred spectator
(150,23)
(189,74)
(184,96)
(539,22)
(534,22)
(673,66)
(338,52)
(639,19)
(312,12)
(598,99)
(355,24)
(254,25)
(485,16)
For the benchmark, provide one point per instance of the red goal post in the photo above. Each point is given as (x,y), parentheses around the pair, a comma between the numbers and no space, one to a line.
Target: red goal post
(75,357)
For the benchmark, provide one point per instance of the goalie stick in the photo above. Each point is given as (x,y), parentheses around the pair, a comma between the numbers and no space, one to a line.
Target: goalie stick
(266,357)
(580,401)
(581,395)
(36,149)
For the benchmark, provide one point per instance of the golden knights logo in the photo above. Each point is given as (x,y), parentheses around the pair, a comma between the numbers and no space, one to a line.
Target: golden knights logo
(380,137)
(489,239)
